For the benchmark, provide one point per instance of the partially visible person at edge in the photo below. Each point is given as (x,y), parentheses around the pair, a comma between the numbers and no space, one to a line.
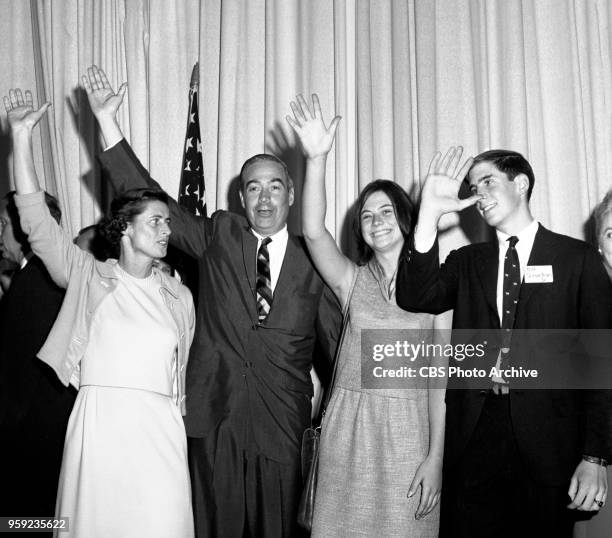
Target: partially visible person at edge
(380,458)
(122,336)
(34,405)
(602,217)
(7,270)
(262,307)
(517,462)
(91,239)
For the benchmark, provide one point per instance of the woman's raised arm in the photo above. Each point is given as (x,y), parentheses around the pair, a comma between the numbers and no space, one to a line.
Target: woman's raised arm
(46,238)
(317,139)
(22,118)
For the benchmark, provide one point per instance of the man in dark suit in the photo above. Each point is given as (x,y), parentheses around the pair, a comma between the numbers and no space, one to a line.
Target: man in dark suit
(34,405)
(516,461)
(248,381)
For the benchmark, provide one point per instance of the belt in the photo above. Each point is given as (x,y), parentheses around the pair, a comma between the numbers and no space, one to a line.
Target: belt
(500,389)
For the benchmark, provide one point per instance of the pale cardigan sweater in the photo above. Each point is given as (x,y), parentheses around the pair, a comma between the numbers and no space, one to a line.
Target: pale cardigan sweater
(87,282)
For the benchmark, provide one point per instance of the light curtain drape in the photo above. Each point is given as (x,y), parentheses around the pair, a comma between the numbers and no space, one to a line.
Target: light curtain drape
(407,77)
(64,35)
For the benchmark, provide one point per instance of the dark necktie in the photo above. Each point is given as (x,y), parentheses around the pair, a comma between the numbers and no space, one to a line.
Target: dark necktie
(511,290)
(263,286)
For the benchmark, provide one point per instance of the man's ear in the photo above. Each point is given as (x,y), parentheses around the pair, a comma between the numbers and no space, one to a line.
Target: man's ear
(291,195)
(523,183)
(241,199)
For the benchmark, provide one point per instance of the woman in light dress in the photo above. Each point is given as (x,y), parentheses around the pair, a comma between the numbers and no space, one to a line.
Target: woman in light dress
(122,337)
(380,466)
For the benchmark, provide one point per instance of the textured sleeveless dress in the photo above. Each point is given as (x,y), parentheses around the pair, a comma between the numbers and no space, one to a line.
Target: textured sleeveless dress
(372,440)
(124,470)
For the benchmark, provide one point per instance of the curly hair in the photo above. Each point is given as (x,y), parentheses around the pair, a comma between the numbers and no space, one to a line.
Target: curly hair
(600,211)
(123,209)
(402,205)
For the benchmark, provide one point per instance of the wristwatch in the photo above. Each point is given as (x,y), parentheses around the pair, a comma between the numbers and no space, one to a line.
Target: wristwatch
(593,459)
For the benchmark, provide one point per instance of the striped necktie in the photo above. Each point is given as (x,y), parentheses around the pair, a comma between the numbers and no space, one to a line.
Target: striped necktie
(264,285)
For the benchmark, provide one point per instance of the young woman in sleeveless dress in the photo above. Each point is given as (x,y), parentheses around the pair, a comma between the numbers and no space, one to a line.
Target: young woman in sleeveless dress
(380,458)
(122,337)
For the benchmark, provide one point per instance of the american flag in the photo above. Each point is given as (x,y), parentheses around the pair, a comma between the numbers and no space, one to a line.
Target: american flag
(191,190)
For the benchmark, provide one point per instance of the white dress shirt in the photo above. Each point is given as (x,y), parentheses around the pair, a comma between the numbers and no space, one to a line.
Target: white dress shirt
(276,250)
(523,248)
(24,261)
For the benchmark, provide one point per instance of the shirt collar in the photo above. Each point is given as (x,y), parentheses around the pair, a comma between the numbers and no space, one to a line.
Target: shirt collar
(24,261)
(525,237)
(282,234)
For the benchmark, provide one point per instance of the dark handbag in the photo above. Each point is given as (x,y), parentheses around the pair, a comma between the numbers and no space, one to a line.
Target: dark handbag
(312,437)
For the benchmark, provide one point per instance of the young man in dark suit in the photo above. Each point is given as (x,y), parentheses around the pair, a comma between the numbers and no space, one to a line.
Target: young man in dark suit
(261,309)
(516,461)
(34,405)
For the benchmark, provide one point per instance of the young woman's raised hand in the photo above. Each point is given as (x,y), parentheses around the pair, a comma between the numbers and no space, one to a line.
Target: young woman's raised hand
(315,137)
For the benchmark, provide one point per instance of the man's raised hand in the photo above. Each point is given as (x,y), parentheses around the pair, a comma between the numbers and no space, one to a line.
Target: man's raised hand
(440,192)
(316,139)
(20,111)
(102,98)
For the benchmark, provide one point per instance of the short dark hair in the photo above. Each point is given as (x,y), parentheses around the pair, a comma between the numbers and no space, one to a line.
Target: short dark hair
(404,212)
(509,162)
(95,244)
(264,157)
(13,214)
(123,209)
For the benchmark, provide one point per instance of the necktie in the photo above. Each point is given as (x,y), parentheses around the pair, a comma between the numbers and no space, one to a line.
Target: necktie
(263,286)
(511,290)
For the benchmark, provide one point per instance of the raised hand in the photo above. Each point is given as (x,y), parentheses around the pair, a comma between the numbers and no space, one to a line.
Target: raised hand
(102,98)
(21,115)
(316,139)
(440,192)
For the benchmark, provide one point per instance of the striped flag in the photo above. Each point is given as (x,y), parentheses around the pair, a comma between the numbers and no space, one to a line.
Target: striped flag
(191,190)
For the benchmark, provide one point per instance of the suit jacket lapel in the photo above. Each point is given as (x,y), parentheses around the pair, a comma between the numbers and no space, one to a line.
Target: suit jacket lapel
(285,278)
(542,253)
(487,266)
(249,252)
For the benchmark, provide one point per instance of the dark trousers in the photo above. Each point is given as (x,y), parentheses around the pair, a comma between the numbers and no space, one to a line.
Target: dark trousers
(490,494)
(238,493)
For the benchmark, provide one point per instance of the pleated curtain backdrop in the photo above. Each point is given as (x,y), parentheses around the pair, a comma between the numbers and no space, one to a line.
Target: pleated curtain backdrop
(408,77)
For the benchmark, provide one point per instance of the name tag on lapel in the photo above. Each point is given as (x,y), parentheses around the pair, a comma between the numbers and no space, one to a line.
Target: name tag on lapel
(538,274)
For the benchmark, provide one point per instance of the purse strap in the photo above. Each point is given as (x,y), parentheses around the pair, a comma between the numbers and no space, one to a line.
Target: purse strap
(345,321)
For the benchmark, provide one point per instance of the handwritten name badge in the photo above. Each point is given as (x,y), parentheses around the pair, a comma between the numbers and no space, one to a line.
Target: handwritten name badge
(538,274)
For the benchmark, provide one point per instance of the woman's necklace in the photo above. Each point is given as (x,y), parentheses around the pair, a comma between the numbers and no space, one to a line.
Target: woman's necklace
(387,286)
(391,284)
